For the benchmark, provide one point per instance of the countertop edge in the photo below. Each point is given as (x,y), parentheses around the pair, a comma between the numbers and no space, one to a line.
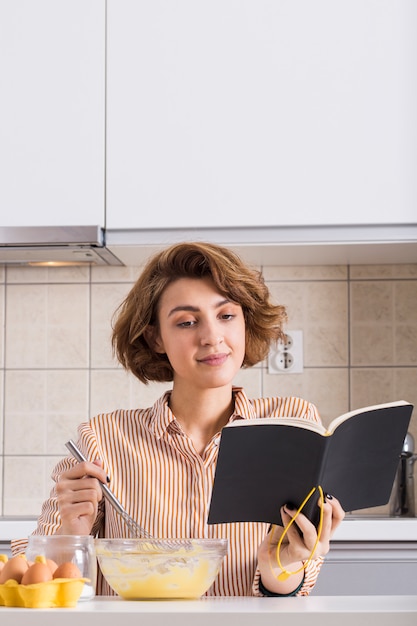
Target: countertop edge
(351,529)
(317,611)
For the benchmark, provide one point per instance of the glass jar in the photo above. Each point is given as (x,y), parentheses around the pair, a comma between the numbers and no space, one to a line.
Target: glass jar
(76,549)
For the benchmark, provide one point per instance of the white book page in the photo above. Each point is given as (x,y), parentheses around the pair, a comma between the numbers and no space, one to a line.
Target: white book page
(298,422)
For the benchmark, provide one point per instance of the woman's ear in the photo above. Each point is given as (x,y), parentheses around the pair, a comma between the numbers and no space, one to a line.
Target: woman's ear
(154,340)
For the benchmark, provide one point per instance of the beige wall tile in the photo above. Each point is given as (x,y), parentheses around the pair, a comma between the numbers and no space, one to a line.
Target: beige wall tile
(372,318)
(47,326)
(42,275)
(110,390)
(2,273)
(372,386)
(2,306)
(25,433)
(2,386)
(251,380)
(327,303)
(372,301)
(326,346)
(67,391)
(25,391)
(105,298)
(405,385)
(378,385)
(25,417)
(145,395)
(115,274)
(304,272)
(405,301)
(26,326)
(117,389)
(1,486)
(68,326)
(405,328)
(327,388)
(101,347)
(320,310)
(293,297)
(384,323)
(27,483)
(60,428)
(67,406)
(383,271)
(372,345)
(23,484)
(405,344)
(43,408)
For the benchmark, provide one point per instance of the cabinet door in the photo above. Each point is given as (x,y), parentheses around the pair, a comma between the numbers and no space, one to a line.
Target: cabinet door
(261,112)
(354,569)
(52,110)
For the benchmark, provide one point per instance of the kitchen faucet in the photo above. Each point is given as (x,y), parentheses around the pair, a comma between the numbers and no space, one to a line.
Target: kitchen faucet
(402,500)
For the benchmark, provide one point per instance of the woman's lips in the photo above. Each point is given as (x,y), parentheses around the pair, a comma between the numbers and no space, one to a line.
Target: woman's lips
(214,359)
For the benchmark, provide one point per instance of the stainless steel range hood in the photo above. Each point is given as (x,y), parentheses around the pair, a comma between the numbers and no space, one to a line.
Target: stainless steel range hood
(55,246)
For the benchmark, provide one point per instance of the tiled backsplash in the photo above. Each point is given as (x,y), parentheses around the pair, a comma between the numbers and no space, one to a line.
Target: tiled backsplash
(359,328)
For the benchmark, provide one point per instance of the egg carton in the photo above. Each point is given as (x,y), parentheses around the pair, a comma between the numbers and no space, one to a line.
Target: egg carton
(60,592)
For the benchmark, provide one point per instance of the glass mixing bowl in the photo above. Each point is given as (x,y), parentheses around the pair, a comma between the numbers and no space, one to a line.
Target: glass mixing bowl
(139,569)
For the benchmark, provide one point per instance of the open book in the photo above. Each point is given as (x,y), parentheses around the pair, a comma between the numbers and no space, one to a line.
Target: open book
(267,462)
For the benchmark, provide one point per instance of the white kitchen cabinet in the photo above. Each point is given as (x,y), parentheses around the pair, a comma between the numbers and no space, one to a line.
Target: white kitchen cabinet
(52,112)
(261,113)
(371,555)
(369,568)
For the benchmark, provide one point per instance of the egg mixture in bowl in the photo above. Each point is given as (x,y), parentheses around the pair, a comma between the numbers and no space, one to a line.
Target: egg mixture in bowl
(139,569)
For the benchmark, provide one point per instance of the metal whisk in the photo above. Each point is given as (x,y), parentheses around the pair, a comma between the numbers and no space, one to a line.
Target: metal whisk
(136,530)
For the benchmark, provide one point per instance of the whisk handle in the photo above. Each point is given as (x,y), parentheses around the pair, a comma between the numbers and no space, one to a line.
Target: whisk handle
(108,494)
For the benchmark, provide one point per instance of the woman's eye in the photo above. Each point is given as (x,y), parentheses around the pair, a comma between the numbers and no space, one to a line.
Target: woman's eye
(227,316)
(186,324)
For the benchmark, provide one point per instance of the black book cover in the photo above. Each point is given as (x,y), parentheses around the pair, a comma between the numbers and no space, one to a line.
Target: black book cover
(265,465)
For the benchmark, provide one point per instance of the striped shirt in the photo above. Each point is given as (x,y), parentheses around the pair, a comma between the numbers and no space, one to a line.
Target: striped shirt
(165,485)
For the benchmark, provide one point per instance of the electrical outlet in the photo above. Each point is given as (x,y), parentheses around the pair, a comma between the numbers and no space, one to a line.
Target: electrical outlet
(287,356)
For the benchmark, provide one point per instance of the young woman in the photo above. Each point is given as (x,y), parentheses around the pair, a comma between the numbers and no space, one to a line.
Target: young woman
(196,315)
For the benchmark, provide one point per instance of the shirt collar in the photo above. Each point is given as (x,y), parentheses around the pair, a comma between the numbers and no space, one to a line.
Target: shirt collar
(163,417)
(244,408)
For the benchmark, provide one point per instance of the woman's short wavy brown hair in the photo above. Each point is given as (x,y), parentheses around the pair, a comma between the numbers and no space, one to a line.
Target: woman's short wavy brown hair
(234,280)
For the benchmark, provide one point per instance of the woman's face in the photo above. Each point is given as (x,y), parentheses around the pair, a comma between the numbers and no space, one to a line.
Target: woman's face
(201,332)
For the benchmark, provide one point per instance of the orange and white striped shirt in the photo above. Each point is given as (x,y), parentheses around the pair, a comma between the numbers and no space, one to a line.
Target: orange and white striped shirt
(165,485)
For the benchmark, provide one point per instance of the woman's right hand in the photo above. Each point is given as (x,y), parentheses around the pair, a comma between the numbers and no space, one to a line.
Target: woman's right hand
(79,493)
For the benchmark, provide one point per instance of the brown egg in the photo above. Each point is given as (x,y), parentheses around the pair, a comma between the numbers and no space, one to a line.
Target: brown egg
(3,560)
(67,570)
(39,572)
(14,569)
(52,565)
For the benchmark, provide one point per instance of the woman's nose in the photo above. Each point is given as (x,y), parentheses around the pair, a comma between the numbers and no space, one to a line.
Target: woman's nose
(210,335)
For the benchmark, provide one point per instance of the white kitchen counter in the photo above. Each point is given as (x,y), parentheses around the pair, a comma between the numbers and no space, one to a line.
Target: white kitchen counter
(377,529)
(16,527)
(314,611)
(351,529)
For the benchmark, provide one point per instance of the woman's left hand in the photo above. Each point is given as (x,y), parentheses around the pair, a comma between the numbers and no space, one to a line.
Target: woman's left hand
(297,545)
